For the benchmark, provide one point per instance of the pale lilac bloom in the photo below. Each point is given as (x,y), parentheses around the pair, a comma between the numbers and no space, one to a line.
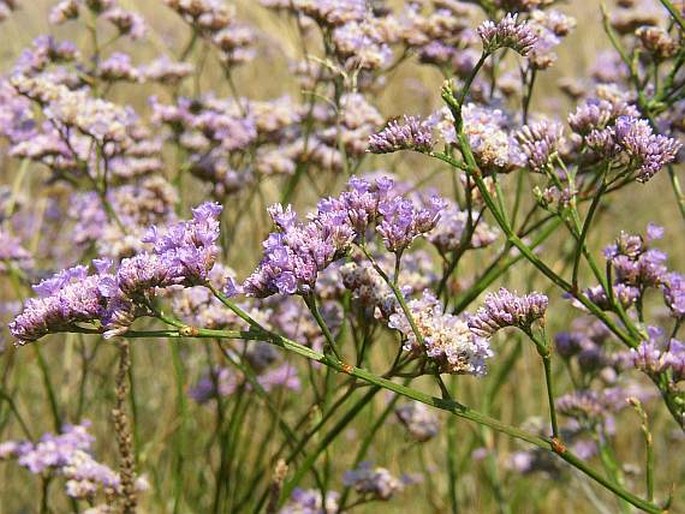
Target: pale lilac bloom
(540,141)
(411,133)
(505,309)
(445,339)
(508,33)
(420,421)
(648,152)
(309,501)
(375,483)
(67,455)
(452,226)
(673,288)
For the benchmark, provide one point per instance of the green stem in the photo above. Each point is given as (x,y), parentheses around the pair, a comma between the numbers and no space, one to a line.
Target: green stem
(450,406)
(580,245)
(310,301)
(677,17)
(327,440)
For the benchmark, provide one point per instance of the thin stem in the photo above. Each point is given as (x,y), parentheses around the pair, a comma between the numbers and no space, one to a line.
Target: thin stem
(677,17)
(310,301)
(580,245)
(543,348)
(450,406)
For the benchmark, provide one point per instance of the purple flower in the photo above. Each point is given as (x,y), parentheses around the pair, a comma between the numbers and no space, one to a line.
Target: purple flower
(376,483)
(420,421)
(508,33)
(184,254)
(67,455)
(673,287)
(66,299)
(449,231)
(309,501)
(539,142)
(626,295)
(648,152)
(445,339)
(13,254)
(654,357)
(506,309)
(402,221)
(296,253)
(412,134)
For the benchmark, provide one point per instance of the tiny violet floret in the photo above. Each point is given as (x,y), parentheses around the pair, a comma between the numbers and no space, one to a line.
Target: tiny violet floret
(508,33)
(648,152)
(444,338)
(506,309)
(182,255)
(376,483)
(411,133)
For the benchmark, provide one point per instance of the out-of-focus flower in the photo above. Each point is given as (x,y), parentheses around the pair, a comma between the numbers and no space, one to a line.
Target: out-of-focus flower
(67,455)
(420,421)
(309,501)
(372,482)
(673,287)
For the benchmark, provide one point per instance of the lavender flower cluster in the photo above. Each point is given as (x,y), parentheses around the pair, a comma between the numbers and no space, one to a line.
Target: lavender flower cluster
(297,252)
(182,255)
(384,267)
(67,455)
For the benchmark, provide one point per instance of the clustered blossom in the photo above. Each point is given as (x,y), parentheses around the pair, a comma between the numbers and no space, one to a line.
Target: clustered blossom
(673,287)
(654,357)
(66,455)
(539,142)
(505,309)
(296,253)
(598,113)
(586,344)
(550,26)
(657,41)
(126,22)
(410,134)
(420,421)
(492,142)
(453,227)
(508,33)
(443,338)
(182,255)
(306,501)
(66,299)
(636,267)
(12,253)
(372,293)
(223,382)
(372,482)
(217,23)
(648,153)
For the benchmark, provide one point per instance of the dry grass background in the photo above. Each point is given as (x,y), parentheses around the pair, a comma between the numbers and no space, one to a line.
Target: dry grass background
(410,89)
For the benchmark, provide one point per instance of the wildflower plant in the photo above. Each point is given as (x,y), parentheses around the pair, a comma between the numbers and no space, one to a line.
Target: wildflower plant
(329,319)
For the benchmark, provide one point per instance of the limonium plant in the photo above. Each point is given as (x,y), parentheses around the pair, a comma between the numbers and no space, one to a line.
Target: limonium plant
(230,293)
